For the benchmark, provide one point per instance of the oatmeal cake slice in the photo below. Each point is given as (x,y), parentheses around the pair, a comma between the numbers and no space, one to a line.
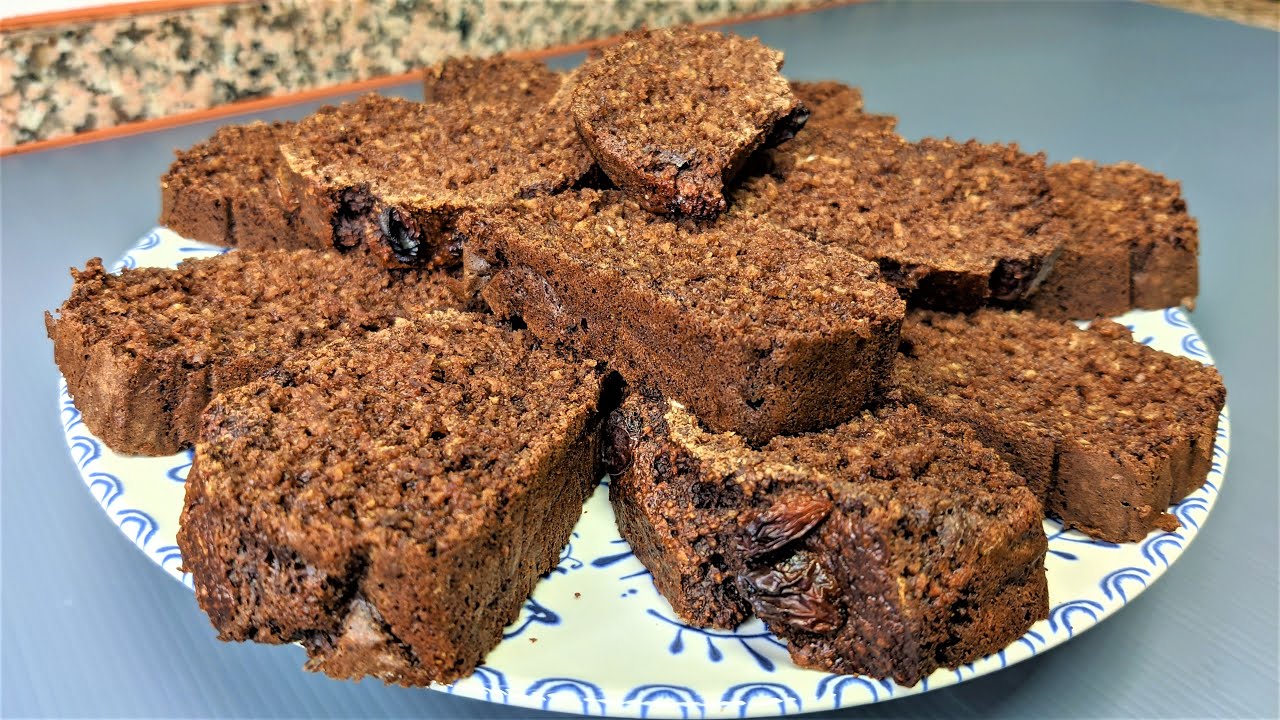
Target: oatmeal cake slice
(952,225)
(395,174)
(1130,243)
(758,329)
(225,191)
(144,350)
(888,546)
(671,115)
(485,80)
(1108,432)
(389,501)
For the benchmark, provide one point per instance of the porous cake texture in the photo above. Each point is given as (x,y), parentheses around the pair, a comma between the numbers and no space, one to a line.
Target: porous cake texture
(492,79)
(389,501)
(758,329)
(144,351)
(225,191)
(1131,243)
(952,225)
(395,174)
(671,115)
(1107,432)
(888,546)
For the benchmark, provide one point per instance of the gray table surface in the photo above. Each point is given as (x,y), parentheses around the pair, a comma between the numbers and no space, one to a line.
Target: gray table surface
(91,628)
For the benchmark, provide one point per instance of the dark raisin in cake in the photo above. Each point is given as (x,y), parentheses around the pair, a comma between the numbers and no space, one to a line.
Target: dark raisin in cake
(671,115)
(389,501)
(1108,432)
(888,546)
(758,329)
(144,350)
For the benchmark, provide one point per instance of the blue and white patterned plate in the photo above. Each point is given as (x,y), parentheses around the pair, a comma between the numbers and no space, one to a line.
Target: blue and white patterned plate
(597,639)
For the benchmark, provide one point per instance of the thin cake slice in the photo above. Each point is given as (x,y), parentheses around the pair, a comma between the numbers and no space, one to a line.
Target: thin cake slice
(758,329)
(389,501)
(143,351)
(1131,243)
(1108,432)
(225,191)
(395,174)
(671,115)
(951,225)
(487,80)
(888,546)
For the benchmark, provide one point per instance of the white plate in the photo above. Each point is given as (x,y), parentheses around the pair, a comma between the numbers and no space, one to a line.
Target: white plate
(596,638)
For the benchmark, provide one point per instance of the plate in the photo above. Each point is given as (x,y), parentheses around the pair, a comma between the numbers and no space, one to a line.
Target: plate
(596,638)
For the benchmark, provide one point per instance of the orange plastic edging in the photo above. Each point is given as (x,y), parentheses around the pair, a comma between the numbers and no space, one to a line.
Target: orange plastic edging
(105,12)
(242,107)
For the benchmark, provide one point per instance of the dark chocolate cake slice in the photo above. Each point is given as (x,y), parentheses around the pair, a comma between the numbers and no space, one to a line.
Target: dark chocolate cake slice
(758,329)
(226,191)
(671,115)
(389,501)
(1108,432)
(951,225)
(395,174)
(889,546)
(1130,243)
(143,351)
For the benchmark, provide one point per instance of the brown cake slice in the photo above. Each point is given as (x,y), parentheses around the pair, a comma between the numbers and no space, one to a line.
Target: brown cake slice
(225,191)
(143,351)
(671,115)
(486,80)
(1108,432)
(888,546)
(389,501)
(1131,242)
(758,329)
(395,174)
(951,225)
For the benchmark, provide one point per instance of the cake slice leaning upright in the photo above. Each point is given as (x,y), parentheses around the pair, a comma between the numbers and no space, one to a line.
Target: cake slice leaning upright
(389,501)
(889,546)
(1107,431)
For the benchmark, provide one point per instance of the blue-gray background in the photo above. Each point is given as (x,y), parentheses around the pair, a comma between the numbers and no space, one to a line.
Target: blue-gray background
(91,628)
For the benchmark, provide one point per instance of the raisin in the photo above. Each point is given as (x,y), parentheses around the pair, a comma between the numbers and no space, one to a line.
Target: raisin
(796,593)
(619,444)
(405,241)
(790,519)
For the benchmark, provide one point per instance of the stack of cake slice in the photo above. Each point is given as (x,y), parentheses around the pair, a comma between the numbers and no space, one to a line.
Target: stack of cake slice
(397,386)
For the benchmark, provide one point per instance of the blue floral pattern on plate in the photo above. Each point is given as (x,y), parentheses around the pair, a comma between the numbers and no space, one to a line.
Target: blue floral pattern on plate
(597,639)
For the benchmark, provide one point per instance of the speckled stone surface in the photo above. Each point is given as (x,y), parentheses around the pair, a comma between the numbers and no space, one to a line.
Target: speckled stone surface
(59,80)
